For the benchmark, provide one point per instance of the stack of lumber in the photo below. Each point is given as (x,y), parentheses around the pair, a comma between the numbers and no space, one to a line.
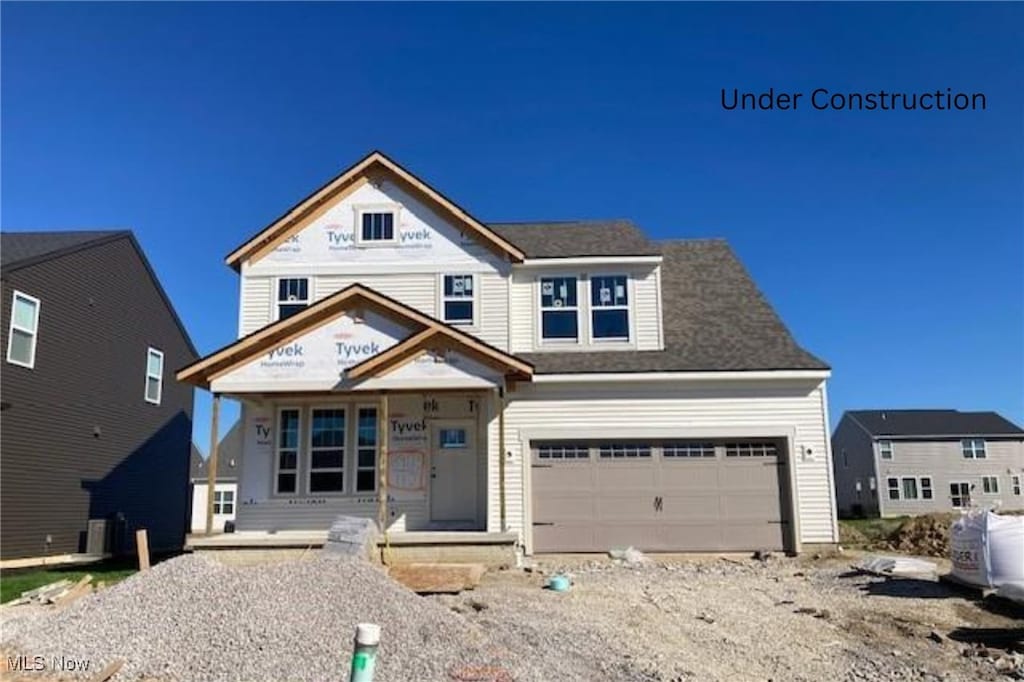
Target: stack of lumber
(60,593)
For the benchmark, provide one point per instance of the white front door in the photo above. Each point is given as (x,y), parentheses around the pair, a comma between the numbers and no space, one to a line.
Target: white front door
(453,471)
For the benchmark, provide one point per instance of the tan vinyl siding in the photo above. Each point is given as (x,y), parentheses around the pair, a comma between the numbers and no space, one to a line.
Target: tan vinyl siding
(646,309)
(256,303)
(521,312)
(944,462)
(492,309)
(676,408)
(416,290)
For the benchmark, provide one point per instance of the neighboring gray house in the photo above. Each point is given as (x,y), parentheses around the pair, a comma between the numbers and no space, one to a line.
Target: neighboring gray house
(226,488)
(900,462)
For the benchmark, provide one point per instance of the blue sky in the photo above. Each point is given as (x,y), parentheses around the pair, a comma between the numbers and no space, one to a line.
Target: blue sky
(892,243)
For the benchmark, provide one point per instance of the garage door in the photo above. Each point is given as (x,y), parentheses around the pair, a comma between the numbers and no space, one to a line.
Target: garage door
(680,495)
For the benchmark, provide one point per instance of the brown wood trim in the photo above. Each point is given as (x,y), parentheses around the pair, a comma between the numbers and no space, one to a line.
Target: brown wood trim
(317,203)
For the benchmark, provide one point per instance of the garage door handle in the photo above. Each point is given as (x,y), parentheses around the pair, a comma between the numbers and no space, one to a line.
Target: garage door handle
(540,466)
(543,523)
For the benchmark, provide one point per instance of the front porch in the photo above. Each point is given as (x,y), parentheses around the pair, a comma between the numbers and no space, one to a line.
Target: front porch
(491,549)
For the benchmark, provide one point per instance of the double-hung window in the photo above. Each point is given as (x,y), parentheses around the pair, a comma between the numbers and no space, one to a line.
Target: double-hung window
(609,307)
(366,450)
(990,485)
(885,449)
(893,484)
(459,294)
(926,488)
(909,488)
(559,309)
(224,502)
(376,227)
(21,338)
(960,494)
(327,451)
(1015,482)
(973,448)
(292,296)
(287,451)
(154,375)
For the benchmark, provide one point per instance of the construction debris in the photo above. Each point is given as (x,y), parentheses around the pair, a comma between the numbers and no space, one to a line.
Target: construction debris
(351,536)
(60,592)
(438,578)
(629,556)
(900,567)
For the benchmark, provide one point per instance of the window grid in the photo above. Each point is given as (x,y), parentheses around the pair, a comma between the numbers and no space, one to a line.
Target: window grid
(973,448)
(366,450)
(688,450)
(292,296)
(154,375)
(327,450)
(885,449)
(609,304)
(752,449)
(893,484)
(1015,482)
(926,488)
(377,226)
(620,450)
(960,494)
(559,309)
(287,455)
(224,502)
(454,438)
(563,451)
(23,331)
(990,485)
(458,296)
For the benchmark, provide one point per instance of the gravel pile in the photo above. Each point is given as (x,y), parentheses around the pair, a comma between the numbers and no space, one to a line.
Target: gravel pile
(192,618)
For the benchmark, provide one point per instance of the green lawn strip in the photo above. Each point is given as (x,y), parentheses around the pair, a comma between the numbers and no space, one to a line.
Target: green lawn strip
(14,582)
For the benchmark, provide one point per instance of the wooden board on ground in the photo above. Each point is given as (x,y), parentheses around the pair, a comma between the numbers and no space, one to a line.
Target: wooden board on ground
(81,588)
(438,578)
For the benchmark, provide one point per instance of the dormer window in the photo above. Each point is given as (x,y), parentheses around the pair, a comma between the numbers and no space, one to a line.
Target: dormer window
(559,309)
(458,299)
(609,307)
(292,296)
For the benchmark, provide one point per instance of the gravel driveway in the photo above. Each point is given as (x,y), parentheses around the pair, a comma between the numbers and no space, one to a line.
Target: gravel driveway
(786,619)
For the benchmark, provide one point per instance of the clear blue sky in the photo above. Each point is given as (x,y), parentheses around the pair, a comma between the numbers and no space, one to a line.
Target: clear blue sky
(892,243)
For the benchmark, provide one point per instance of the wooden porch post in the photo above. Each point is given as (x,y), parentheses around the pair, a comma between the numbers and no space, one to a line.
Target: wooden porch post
(211,464)
(501,454)
(382,485)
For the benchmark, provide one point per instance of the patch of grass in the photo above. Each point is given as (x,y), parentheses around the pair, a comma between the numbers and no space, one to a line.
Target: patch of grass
(14,582)
(874,530)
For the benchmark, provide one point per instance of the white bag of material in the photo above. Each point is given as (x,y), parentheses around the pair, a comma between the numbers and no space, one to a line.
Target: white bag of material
(1012,591)
(986,549)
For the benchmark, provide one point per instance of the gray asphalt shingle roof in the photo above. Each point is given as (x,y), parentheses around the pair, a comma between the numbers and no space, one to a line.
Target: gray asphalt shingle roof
(715,319)
(576,238)
(953,423)
(17,248)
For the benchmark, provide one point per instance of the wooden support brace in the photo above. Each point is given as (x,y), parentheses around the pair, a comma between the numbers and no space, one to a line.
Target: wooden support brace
(142,546)
(211,464)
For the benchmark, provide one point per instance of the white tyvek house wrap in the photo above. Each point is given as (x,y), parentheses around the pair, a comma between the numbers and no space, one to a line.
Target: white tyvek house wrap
(427,371)
(316,360)
(422,235)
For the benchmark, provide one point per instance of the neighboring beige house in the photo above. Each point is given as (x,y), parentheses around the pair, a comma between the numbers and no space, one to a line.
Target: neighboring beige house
(900,462)
(546,386)
(225,497)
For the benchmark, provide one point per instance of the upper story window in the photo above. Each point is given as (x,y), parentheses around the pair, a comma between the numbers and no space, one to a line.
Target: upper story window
(973,448)
(21,339)
(609,307)
(559,309)
(459,294)
(292,296)
(376,227)
(885,449)
(154,375)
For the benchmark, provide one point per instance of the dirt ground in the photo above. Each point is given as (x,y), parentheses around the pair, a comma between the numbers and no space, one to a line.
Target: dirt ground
(741,619)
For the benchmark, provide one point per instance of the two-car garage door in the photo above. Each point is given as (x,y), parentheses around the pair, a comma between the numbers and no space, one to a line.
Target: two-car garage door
(713,495)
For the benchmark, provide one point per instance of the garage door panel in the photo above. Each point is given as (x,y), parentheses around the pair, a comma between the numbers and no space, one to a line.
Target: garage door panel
(699,498)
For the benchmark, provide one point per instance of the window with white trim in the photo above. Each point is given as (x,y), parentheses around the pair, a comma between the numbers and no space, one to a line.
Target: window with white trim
(154,375)
(753,449)
(563,450)
(366,450)
(377,227)
(893,484)
(453,439)
(458,299)
(327,450)
(990,485)
(609,307)
(1015,483)
(620,450)
(23,331)
(559,309)
(926,487)
(688,449)
(287,451)
(960,494)
(973,448)
(885,449)
(224,502)
(292,296)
